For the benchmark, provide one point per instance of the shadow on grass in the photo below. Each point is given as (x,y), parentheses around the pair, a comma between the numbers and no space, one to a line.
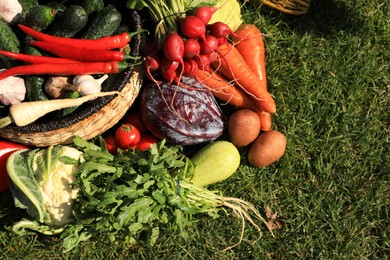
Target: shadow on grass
(324,17)
(8,213)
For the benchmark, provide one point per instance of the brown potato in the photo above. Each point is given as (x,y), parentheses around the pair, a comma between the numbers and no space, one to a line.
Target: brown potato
(267,148)
(243,127)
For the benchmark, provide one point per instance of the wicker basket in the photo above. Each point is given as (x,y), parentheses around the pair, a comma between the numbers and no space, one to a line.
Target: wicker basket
(94,119)
(294,7)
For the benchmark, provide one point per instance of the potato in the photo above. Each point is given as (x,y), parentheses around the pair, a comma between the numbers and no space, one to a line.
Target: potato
(243,127)
(267,148)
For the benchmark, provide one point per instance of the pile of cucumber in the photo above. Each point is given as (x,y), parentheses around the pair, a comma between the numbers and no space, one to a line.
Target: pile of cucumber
(89,19)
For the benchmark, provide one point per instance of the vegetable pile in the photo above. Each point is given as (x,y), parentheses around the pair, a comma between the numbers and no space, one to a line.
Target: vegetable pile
(136,178)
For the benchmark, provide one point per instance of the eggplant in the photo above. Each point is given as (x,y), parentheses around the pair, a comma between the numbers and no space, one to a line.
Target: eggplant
(185,113)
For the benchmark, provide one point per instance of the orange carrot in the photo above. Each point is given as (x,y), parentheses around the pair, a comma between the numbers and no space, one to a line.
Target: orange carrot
(225,91)
(232,65)
(249,42)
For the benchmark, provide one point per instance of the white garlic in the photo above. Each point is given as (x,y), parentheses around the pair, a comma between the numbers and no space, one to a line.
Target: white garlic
(86,84)
(10,11)
(12,90)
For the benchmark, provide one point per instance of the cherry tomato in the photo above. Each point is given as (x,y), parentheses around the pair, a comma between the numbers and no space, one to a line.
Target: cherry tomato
(126,136)
(111,144)
(134,118)
(6,149)
(146,142)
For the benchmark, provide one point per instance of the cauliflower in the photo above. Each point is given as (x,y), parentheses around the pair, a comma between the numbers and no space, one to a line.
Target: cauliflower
(56,188)
(42,182)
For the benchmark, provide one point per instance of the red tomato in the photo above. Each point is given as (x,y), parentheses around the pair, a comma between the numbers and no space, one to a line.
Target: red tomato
(6,149)
(111,144)
(134,118)
(126,136)
(147,139)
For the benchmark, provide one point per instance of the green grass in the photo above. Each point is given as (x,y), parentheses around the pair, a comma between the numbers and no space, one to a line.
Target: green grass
(329,73)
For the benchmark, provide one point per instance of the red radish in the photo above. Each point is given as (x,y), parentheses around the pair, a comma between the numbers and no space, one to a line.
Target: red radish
(191,48)
(203,62)
(193,27)
(205,13)
(213,56)
(220,30)
(209,45)
(173,49)
(169,69)
(190,68)
(221,41)
(151,63)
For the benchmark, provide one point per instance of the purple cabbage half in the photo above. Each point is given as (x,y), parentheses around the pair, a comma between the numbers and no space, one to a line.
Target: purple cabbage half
(184,115)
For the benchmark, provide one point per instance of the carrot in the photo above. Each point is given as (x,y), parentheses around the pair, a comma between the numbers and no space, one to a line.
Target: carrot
(232,65)
(249,42)
(225,91)
(25,113)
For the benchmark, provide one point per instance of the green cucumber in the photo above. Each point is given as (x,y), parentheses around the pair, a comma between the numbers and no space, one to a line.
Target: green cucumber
(39,17)
(104,23)
(91,6)
(69,23)
(59,7)
(34,84)
(8,42)
(27,5)
(66,111)
(215,162)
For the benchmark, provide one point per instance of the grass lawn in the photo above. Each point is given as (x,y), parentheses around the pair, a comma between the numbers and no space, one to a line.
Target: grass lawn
(329,73)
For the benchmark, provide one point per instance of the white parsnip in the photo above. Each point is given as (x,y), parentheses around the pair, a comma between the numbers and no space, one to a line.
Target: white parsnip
(25,113)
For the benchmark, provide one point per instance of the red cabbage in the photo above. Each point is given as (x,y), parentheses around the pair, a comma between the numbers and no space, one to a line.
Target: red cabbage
(185,115)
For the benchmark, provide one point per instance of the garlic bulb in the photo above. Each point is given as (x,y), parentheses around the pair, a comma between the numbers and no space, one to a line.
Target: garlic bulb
(12,90)
(86,84)
(10,10)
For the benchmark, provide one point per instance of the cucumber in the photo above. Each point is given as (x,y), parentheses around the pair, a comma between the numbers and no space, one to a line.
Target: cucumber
(69,23)
(91,6)
(66,111)
(59,7)
(34,84)
(27,5)
(104,23)
(215,162)
(8,42)
(39,17)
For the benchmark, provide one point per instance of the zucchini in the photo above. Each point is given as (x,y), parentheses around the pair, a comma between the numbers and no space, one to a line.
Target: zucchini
(69,23)
(8,42)
(39,17)
(104,23)
(215,162)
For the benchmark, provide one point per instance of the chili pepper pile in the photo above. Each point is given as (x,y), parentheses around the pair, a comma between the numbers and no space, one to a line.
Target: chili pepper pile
(72,56)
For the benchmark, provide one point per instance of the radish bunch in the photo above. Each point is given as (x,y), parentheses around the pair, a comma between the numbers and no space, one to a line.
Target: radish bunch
(193,47)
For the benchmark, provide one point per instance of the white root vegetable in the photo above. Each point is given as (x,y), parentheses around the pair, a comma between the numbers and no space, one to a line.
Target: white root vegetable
(87,84)
(10,11)
(27,112)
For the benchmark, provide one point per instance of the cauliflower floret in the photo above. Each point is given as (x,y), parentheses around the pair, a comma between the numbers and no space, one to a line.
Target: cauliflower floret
(57,190)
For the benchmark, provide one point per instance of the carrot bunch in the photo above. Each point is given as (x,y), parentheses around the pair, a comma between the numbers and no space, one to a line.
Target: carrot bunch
(239,77)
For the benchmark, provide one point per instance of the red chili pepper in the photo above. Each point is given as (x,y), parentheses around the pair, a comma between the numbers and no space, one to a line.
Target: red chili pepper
(80,68)
(104,43)
(35,59)
(80,54)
